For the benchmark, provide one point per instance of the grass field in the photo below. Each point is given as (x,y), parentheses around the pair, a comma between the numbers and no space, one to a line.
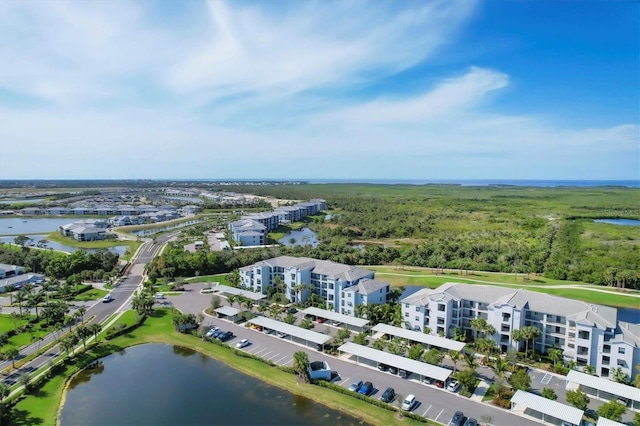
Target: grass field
(93,294)
(425,277)
(55,236)
(41,407)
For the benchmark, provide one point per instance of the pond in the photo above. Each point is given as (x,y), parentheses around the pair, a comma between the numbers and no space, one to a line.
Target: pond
(23,201)
(182,387)
(303,237)
(624,222)
(29,225)
(58,246)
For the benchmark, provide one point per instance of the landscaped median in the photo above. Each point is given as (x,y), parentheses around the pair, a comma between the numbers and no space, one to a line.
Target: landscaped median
(42,403)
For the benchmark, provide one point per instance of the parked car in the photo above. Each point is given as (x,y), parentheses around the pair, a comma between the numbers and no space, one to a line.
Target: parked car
(212,331)
(393,370)
(439,384)
(388,395)
(242,343)
(409,402)
(217,333)
(404,374)
(427,380)
(457,419)
(225,336)
(453,386)
(471,422)
(366,389)
(292,310)
(355,386)
(383,367)
(281,334)
(108,298)
(321,320)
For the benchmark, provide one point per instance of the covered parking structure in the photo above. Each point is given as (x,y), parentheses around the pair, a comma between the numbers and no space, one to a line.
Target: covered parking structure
(416,336)
(225,289)
(603,388)
(353,323)
(228,312)
(545,410)
(381,357)
(291,332)
(606,422)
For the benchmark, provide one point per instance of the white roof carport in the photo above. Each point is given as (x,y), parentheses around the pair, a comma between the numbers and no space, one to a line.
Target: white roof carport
(604,385)
(335,316)
(606,422)
(416,336)
(417,367)
(547,407)
(235,291)
(300,333)
(228,311)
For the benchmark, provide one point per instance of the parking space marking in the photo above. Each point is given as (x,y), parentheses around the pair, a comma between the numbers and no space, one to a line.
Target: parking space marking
(278,361)
(436,419)
(425,411)
(544,380)
(344,381)
(272,357)
(264,355)
(253,348)
(263,349)
(288,361)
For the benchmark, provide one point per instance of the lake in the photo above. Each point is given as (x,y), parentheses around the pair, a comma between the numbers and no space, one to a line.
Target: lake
(624,222)
(25,201)
(170,385)
(303,237)
(58,246)
(23,226)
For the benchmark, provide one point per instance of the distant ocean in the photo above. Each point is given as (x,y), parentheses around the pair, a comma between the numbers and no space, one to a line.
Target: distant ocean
(483,182)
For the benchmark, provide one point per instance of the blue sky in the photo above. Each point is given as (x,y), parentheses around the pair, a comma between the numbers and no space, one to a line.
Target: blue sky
(317,89)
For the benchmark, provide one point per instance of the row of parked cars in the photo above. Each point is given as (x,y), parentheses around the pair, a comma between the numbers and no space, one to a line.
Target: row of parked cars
(459,419)
(218,334)
(367,388)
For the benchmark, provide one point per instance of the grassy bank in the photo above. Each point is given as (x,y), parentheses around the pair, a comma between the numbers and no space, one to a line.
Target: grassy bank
(427,277)
(55,236)
(41,407)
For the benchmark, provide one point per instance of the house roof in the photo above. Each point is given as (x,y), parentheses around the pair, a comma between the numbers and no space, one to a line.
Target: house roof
(367,286)
(546,406)
(575,310)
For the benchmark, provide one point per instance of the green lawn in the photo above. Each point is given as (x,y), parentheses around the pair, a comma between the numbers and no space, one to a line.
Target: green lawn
(93,294)
(41,407)
(221,278)
(55,236)
(424,277)
(8,322)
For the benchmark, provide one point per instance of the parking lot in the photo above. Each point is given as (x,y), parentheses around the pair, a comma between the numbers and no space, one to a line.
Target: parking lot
(433,403)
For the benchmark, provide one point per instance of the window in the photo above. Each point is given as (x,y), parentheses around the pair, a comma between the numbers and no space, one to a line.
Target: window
(417,308)
(621,351)
(417,318)
(406,314)
(441,307)
(259,271)
(330,286)
(343,294)
(406,305)
(349,295)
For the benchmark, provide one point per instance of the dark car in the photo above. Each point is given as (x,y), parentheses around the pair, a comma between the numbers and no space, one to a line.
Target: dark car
(383,367)
(366,389)
(404,374)
(292,310)
(388,395)
(393,370)
(457,419)
(471,422)
(225,336)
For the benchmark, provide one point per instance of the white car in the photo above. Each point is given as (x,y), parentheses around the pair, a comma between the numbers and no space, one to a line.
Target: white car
(242,343)
(453,386)
(211,332)
(409,402)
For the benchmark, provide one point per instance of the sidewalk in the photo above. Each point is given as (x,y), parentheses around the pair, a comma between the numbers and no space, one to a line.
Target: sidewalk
(480,391)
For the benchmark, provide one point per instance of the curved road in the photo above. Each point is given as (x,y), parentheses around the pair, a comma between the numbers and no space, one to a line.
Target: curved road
(99,312)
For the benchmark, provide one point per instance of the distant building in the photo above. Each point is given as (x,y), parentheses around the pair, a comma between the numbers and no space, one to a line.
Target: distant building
(7,271)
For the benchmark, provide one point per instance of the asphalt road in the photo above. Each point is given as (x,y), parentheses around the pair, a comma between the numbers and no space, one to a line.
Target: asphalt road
(433,403)
(98,312)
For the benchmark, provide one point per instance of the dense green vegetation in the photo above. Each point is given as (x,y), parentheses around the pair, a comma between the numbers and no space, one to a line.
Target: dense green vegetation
(507,229)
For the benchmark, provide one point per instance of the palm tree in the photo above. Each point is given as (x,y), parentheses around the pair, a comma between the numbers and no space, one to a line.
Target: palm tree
(489,331)
(95,329)
(516,334)
(301,365)
(477,324)
(83,332)
(35,299)
(68,343)
(81,311)
(12,353)
(618,375)
(471,361)
(499,366)
(4,391)
(589,369)
(529,333)
(231,299)
(10,288)
(555,355)
(455,357)
(21,296)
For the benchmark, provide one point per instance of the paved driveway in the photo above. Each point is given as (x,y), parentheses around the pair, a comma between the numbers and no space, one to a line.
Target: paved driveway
(433,403)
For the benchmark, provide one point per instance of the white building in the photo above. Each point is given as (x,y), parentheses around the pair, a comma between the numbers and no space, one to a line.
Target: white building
(587,334)
(332,281)
(7,271)
(248,232)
